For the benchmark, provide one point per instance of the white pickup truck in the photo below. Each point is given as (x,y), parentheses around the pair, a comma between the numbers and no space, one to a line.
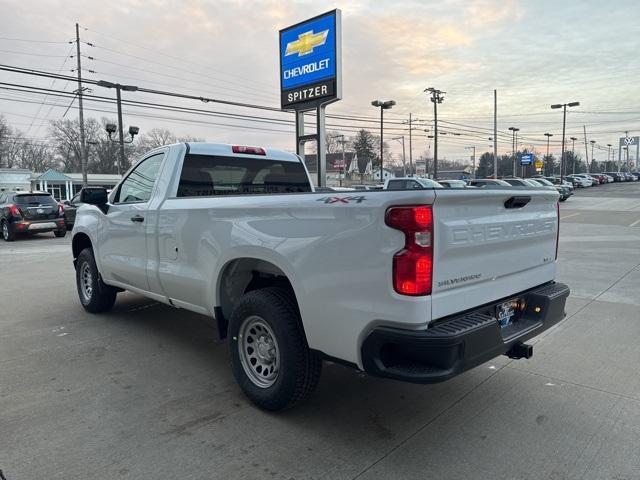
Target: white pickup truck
(416,285)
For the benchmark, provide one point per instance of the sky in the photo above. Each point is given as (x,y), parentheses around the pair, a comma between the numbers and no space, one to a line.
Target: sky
(533,52)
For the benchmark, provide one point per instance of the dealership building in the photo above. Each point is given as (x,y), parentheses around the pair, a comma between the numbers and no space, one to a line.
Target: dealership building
(62,186)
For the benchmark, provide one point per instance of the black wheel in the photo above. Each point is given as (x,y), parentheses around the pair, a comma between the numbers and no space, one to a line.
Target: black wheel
(95,295)
(270,357)
(7,232)
(60,233)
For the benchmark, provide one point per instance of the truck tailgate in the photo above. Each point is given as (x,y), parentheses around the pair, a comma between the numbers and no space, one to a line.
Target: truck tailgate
(488,246)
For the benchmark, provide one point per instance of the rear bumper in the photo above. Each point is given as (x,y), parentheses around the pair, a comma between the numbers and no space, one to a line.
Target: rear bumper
(38,226)
(460,342)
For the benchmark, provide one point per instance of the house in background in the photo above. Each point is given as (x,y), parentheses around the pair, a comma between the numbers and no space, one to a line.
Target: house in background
(62,186)
(12,179)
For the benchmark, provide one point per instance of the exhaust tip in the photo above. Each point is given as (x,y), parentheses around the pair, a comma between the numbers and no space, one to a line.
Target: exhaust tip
(520,350)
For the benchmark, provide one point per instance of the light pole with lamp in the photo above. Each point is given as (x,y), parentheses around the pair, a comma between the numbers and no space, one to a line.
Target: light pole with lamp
(513,147)
(132,130)
(573,152)
(548,135)
(564,123)
(404,159)
(473,160)
(386,105)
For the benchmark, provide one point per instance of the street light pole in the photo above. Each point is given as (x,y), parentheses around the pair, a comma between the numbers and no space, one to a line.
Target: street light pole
(513,147)
(383,106)
(548,135)
(564,124)
(473,160)
(608,155)
(404,160)
(573,153)
(118,87)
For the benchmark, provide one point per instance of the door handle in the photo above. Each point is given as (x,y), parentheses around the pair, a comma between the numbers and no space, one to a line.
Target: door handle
(137,218)
(517,202)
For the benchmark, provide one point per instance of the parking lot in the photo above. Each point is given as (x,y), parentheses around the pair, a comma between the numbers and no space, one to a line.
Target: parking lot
(146,391)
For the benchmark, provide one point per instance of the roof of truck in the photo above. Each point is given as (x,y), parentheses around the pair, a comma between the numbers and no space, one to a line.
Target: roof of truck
(207,148)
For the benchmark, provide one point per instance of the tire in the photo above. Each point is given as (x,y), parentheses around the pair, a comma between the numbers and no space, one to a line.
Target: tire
(95,295)
(7,232)
(280,371)
(60,233)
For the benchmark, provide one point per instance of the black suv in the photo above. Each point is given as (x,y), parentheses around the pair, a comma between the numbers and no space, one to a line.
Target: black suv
(30,212)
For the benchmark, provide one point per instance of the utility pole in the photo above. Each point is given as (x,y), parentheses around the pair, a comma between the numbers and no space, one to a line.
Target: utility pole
(586,149)
(83,145)
(436,98)
(495,134)
(573,153)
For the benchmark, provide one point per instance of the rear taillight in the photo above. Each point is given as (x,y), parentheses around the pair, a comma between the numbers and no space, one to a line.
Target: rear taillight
(248,150)
(558,232)
(14,211)
(60,209)
(413,265)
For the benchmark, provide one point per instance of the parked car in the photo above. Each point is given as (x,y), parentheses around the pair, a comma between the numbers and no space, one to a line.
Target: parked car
(453,183)
(363,187)
(563,190)
(589,178)
(488,183)
(29,213)
(617,176)
(411,183)
(70,207)
(239,234)
(582,182)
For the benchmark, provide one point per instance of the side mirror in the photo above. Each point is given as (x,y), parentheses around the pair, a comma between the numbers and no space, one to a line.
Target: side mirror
(94,196)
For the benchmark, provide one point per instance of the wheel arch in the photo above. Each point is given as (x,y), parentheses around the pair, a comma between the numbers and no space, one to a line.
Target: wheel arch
(79,242)
(242,275)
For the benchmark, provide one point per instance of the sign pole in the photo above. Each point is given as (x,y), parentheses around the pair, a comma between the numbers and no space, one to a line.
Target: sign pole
(322,147)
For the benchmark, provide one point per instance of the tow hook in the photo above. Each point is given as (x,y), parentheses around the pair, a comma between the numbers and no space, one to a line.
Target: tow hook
(520,350)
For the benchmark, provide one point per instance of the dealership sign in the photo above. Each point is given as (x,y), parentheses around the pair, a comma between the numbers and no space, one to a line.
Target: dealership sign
(526,159)
(310,62)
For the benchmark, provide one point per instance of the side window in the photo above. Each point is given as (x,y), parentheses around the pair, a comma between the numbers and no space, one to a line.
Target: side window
(138,186)
(396,185)
(414,186)
(75,199)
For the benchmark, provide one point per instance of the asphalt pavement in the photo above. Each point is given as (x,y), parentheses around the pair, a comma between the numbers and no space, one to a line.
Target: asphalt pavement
(146,391)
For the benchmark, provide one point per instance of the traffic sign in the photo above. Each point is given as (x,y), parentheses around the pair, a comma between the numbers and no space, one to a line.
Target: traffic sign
(539,164)
(310,62)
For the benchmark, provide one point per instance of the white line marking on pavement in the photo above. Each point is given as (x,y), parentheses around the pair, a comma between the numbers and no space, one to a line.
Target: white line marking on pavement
(569,216)
(635,223)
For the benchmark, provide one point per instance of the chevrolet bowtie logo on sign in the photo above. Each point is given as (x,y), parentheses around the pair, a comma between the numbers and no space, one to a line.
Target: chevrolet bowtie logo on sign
(310,62)
(306,42)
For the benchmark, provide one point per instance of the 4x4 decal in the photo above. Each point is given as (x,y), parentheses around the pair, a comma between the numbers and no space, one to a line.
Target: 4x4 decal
(341,199)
